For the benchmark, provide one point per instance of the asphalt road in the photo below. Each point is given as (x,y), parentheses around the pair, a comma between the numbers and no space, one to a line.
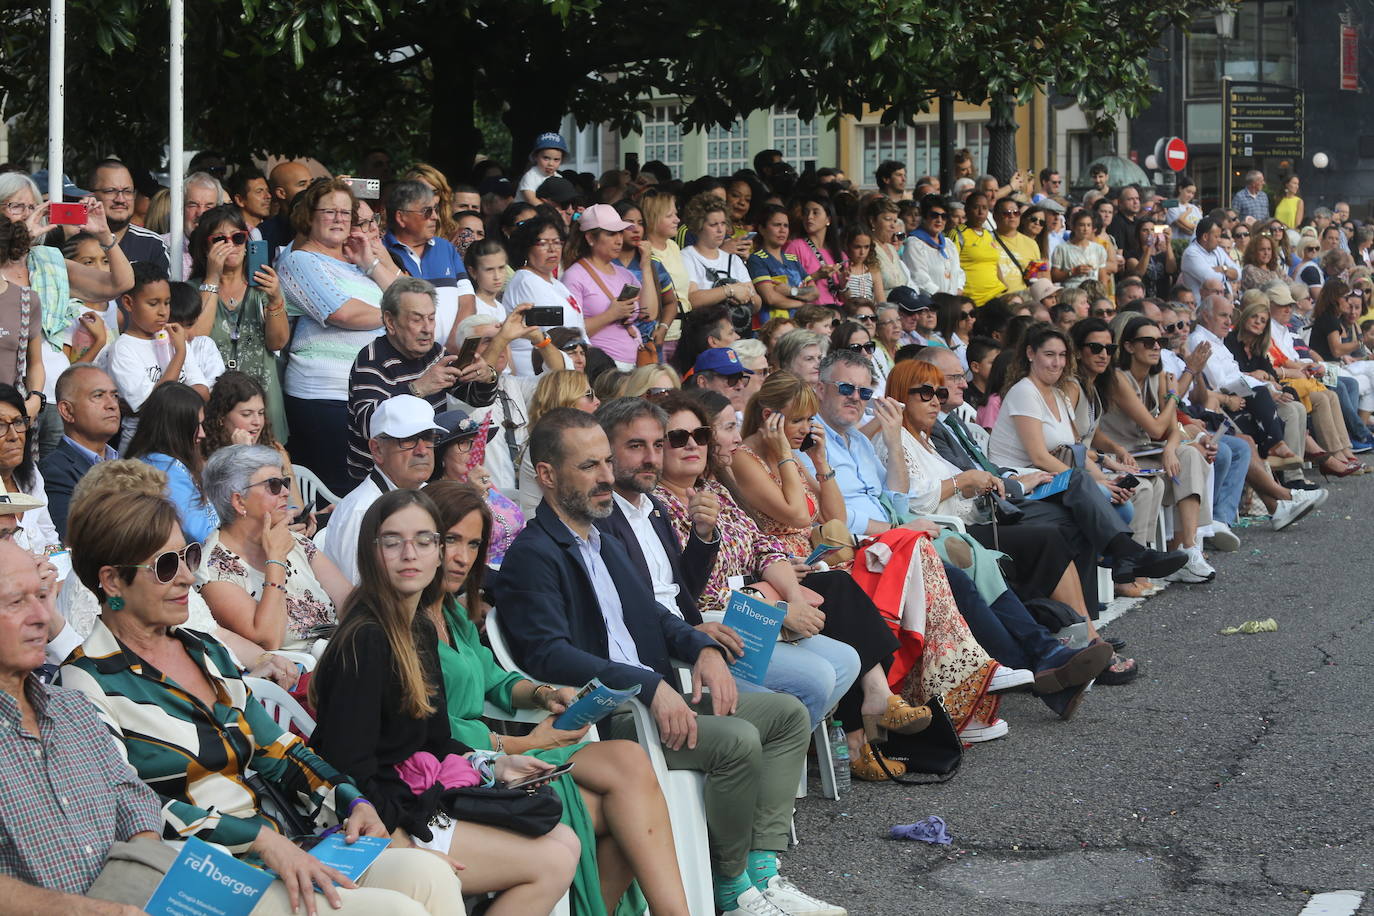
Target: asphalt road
(1232,777)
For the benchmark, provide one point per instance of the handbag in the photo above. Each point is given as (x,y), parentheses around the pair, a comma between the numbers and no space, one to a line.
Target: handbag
(935,750)
(530,812)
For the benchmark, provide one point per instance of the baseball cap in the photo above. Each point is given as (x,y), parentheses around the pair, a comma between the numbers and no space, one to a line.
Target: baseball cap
(501,187)
(602,216)
(721,361)
(403,416)
(557,189)
(1042,288)
(69,189)
(459,424)
(549,140)
(909,300)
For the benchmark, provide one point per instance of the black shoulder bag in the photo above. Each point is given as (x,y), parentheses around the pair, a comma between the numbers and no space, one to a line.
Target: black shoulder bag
(935,750)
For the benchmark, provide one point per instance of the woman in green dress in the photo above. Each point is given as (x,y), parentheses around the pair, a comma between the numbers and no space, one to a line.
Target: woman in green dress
(611,799)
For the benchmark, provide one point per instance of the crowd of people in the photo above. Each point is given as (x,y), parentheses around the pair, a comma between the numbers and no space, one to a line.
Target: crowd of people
(383,415)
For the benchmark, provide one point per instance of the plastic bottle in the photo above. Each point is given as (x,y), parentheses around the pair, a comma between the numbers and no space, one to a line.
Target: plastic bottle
(840,752)
(162,348)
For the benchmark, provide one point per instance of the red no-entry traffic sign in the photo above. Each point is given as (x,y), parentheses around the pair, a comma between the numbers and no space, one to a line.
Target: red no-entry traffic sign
(1176,154)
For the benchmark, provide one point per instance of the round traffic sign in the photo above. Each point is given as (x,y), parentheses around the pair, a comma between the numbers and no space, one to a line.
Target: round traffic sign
(1176,154)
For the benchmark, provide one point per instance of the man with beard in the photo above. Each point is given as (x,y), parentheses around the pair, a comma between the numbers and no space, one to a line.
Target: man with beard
(574,607)
(401,446)
(113,185)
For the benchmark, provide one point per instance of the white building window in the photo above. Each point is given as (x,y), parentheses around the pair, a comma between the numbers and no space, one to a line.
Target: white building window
(973,136)
(663,137)
(727,148)
(584,146)
(881,143)
(797,140)
(919,148)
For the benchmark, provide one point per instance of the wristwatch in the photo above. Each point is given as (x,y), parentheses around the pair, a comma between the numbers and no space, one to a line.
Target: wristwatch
(209,288)
(42,399)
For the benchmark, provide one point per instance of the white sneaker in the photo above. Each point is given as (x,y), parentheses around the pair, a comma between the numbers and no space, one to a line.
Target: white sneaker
(1289,511)
(1196,571)
(973,734)
(785,897)
(753,903)
(1010,678)
(1223,538)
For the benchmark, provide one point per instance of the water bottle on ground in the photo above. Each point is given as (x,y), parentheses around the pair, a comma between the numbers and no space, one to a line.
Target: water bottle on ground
(840,752)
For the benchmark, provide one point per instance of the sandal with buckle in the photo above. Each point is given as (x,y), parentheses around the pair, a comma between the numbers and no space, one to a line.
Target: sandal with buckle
(867,768)
(900,717)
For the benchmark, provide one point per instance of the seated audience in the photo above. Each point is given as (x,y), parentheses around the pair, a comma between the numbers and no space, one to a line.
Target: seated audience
(800,352)
(168,438)
(536,251)
(89,408)
(720,370)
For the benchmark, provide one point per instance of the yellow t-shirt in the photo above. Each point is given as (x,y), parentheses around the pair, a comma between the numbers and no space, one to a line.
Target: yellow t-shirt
(979,255)
(1287,211)
(670,256)
(1026,252)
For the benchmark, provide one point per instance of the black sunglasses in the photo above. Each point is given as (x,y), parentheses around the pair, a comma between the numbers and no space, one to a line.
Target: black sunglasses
(164,565)
(236,238)
(1097,349)
(863,347)
(275,485)
(1175,327)
(1152,343)
(848,389)
(677,438)
(927,392)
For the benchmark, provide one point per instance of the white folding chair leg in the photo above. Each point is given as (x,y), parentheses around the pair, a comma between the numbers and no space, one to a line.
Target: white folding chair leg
(1106,587)
(825,762)
(562,908)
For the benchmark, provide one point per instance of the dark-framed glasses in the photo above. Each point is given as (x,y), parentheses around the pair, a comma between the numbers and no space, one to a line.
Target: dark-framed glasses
(165,565)
(929,392)
(849,389)
(677,438)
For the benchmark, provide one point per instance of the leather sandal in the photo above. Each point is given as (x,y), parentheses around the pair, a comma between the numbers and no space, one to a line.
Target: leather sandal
(868,769)
(900,716)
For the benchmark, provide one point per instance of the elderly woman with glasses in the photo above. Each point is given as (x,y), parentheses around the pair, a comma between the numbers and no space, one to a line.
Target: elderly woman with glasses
(929,254)
(851,335)
(262,581)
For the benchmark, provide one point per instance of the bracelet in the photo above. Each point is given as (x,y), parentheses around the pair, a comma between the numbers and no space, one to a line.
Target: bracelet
(544,343)
(278,563)
(209,287)
(785,460)
(822,478)
(499,745)
(359,801)
(534,694)
(373,266)
(275,585)
(106,248)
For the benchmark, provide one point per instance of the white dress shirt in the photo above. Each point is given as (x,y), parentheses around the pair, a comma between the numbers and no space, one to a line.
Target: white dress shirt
(660,570)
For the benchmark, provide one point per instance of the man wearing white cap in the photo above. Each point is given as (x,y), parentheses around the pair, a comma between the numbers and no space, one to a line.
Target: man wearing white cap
(402,434)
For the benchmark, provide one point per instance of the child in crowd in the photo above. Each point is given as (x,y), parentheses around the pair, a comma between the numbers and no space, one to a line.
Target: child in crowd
(865,281)
(93,325)
(982,353)
(545,158)
(487,267)
(152,349)
(200,349)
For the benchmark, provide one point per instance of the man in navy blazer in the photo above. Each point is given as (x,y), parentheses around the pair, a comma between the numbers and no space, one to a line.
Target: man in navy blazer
(89,407)
(573,607)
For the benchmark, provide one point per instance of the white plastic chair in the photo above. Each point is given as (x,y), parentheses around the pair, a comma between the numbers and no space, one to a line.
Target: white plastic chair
(280,705)
(312,487)
(682,789)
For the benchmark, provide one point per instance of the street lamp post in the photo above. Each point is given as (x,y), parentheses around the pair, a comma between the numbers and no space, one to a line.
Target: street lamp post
(1225,20)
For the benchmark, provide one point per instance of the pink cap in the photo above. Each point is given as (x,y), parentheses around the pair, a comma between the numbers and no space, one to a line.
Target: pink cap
(604,217)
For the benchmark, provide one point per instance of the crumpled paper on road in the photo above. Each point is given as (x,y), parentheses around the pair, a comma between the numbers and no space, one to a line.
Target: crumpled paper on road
(928,830)
(1251,627)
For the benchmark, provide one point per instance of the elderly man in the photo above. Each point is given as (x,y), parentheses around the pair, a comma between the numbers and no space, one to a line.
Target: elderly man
(88,404)
(68,796)
(913,306)
(1250,202)
(113,185)
(579,608)
(200,192)
(401,440)
(1204,258)
(719,369)
(408,359)
(412,239)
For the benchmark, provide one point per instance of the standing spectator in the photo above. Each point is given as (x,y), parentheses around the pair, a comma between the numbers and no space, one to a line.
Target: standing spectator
(1251,201)
(21,321)
(413,216)
(929,254)
(244,316)
(434,179)
(880,219)
(979,253)
(200,193)
(19,472)
(545,157)
(1205,259)
(89,407)
(168,438)
(595,277)
(113,185)
(1081,258)
(637,256)
(777,273)
(285,181)
(891,178)
(1122,226)
(536,248)
(1150,256)
(247,190)
(865,280)
(1183,218)
(817,247)
(333,282)
(1261,263)
(408,359)
(1290,208)
(715,276)
(1020,260)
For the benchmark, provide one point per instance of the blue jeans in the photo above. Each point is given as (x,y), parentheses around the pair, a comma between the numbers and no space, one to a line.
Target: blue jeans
(1228,478)
(817,670)
(1348,393)
(1126,511)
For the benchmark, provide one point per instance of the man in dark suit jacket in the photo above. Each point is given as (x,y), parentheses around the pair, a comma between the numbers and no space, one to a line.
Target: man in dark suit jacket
(573,607)
(1081,512)
(89,407)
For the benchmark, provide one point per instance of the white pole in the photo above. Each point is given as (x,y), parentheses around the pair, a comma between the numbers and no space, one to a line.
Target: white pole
(57,46)
(175,106)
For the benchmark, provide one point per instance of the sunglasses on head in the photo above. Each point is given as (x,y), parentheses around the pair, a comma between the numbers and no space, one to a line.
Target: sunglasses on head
(863,347)
(236,238)
(653,394)
(848,390)
(1150,343)
(1097,349)
(677,438)
(927,392)
(165,565)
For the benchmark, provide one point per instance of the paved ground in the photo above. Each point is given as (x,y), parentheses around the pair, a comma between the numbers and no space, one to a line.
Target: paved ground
(1233,777)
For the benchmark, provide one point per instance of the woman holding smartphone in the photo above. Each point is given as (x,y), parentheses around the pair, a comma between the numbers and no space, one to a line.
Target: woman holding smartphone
(612,299)
(1151,258)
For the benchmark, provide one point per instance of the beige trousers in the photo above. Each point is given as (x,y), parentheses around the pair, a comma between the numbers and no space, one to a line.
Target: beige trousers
(402,882)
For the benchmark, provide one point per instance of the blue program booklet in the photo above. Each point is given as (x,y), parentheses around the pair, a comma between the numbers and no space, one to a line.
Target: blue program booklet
(594,702)
(207,881)
(350,861)
(758,624)
(1059,484)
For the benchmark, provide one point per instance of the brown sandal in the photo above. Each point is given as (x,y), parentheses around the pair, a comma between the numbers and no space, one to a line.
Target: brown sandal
(868,769)
(900,717)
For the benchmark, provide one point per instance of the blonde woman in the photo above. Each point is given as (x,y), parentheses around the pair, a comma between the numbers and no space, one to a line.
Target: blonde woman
(650,382)
(659,210)
(564,388)
(424,172)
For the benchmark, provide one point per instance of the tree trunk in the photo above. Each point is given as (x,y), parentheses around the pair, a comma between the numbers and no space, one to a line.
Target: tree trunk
(538,105)
(1002,138)
(454,139)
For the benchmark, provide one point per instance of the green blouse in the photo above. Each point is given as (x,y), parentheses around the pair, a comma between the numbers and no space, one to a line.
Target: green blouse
(471,675)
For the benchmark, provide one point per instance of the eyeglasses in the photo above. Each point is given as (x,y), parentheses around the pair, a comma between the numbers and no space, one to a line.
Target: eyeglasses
(235,238)
(426,212)
(1174,328)
(1103,313)
(865,317)
(275,485)
(938,214)
(653,394)
(375,221)
(1240,235)
(848,390)
(1150,343)
(677,438)
(548,244)
(19,424)
(1097,349)
(1035,221)
(409,443)
(22,209)
(966,316)
(736,381)
(115,192)
(332,214)
(571,347)
(928,392)
(1003,214)
(7,534)
(165,565)
(863,347)
(424,542)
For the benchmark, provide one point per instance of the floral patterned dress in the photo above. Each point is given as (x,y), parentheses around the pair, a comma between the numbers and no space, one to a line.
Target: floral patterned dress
(307,603)
(797,541)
